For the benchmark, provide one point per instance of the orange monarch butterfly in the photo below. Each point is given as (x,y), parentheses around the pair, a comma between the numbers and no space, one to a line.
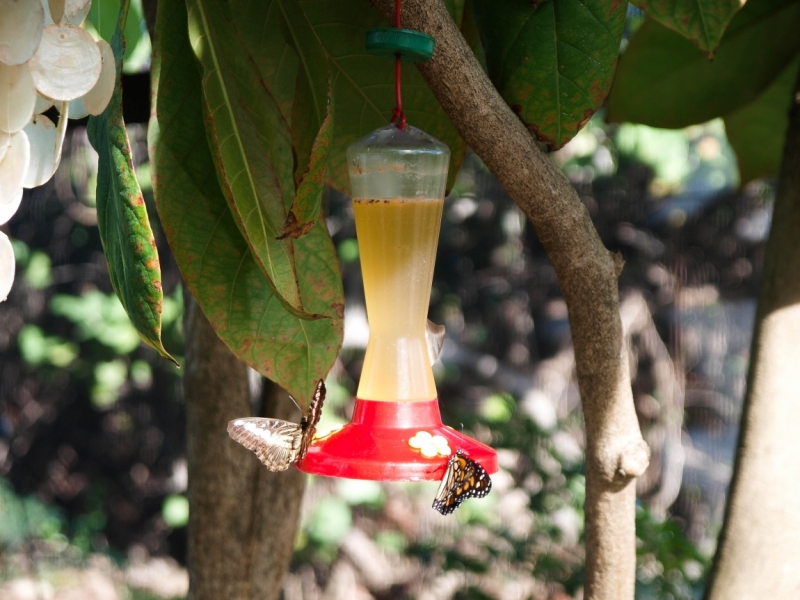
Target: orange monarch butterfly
(463,479)
(279,443)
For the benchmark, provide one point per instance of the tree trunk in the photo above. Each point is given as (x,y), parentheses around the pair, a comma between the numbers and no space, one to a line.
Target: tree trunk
(758,554)
(242,518)
(587,272)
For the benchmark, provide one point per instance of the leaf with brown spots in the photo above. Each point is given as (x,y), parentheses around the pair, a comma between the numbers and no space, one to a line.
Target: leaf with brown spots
(308,199)
(251,144)
(122,216)
(312,119)
(552,61)
(219,267)
(703,22)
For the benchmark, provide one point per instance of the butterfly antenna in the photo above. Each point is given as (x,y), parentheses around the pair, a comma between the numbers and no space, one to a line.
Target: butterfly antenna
(296,404)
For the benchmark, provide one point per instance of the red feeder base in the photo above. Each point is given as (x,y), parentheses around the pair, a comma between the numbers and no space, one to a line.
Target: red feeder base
(374,445)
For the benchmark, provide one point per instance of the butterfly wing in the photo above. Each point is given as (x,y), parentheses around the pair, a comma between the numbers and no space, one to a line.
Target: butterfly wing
(445,501)
(463,479)
(275,442)
(309,424)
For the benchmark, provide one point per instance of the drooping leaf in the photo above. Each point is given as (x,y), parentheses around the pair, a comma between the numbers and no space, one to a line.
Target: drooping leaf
(364,85)
(308,199)
(552,62)
(757,131)
(664,80)
(125,231)
(312,119)
(251,146)
(313,87)
(701,21)
(215,260)
(259,25)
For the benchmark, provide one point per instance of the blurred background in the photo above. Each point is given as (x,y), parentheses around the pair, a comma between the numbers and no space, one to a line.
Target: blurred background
(92,446)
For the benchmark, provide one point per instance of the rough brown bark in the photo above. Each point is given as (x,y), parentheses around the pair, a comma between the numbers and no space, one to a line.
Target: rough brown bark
(242,518)
(587,272)
(759,554)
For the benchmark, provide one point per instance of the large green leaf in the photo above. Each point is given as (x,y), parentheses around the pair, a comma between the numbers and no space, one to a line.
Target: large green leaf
(701,21)
(122,216)
(250,142)
(313,87)
(259,25)
(757,131)
(364,85)
(552,62)
(664,80)
(215,260)
(308,199)
(312,119)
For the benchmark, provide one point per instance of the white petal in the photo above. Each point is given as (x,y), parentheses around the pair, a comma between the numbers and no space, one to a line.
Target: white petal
(99,96)
(67,63)
(7,266)
(75,11)
(20,30)
(46,141)
(13,166)
(77,109)
(42,104)
(17,97)
(8,209)
(4,139)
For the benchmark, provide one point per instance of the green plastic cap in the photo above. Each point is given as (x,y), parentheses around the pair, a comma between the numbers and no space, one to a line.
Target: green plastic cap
(411,45)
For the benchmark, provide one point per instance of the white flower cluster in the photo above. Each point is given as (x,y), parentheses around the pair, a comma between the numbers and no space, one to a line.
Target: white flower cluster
(46,59)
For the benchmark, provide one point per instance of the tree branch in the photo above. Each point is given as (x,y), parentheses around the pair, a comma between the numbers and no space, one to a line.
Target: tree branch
(242,518)
(616,453)
(758,554)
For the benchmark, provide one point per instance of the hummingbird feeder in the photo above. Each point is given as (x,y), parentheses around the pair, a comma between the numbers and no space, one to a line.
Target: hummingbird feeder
(398,175)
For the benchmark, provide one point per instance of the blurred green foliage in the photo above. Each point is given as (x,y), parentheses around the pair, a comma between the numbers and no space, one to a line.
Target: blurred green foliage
(102,20)
(26,518)
(176,511)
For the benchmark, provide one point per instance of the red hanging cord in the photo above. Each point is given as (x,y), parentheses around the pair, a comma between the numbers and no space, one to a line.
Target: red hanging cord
(397,113)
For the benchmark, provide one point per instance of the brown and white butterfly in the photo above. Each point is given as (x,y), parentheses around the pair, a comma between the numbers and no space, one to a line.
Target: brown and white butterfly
(279,443)
(463,479)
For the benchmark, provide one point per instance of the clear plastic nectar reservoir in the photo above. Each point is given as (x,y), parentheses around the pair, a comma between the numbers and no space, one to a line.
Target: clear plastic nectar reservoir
(398,180)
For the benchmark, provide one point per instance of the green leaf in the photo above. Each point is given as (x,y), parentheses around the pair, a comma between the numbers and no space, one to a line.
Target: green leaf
(364,85)
(553,63)
(103,17)
(757,131)
(312,119)
(260,28)
(215,260)
(125,231)
(251,146)
(313,90)
(308,200)
(701,21)
(663,80)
